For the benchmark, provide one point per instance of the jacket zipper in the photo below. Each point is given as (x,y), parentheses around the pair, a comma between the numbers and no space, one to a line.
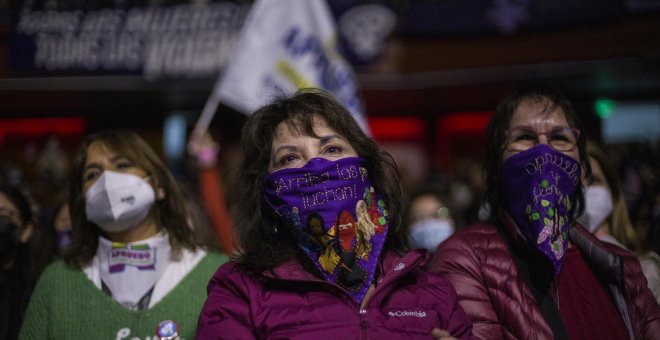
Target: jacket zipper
(362,312)
(363,323)
(554,283)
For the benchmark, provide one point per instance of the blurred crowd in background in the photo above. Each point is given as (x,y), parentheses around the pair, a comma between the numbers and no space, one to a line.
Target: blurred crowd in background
(428,75)
(40,168)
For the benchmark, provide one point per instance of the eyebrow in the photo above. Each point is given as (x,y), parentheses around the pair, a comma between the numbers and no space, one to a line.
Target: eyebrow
(95,165)
(529,127)
(322,141)
(329,138)
(285,148)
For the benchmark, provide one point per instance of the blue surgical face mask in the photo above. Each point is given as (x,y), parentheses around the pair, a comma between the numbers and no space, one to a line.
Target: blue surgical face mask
(430,232)
(63,239)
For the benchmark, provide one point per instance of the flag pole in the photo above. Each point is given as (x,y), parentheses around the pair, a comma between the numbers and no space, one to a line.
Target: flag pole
(203,122)
(208,112)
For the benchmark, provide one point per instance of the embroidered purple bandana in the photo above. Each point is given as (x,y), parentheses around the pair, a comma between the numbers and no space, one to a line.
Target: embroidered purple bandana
(540,186)
(339,220)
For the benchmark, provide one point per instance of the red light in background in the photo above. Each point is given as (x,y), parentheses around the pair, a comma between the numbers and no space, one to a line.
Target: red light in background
(461,133)
(63,126)
(397,128)
(463,122)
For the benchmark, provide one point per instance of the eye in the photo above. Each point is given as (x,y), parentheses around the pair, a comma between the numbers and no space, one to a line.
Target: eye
(559,137)
(525,136)
(287,159)
(563,135)
(11,216)
(91,174)
(333,149)
(123,164)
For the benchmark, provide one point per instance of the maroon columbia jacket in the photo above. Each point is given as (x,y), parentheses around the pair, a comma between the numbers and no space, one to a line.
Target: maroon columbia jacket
(291,303)
(479,264)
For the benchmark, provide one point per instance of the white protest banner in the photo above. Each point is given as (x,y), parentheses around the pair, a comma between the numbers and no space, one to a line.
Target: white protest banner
(285,45)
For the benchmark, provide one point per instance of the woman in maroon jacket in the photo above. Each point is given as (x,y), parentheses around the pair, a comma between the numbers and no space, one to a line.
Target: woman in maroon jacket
(532,272)
(322,254)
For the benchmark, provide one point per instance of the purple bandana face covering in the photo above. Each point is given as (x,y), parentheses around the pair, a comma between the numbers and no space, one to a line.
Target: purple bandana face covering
(540,186)
(339,220)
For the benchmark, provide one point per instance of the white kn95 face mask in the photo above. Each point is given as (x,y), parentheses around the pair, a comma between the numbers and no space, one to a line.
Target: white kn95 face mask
(118,201)
(598,207)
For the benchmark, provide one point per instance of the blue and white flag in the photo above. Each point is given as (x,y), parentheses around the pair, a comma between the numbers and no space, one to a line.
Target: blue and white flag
(286,45)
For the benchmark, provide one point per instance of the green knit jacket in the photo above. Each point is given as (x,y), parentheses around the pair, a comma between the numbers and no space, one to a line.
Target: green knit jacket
(67,305)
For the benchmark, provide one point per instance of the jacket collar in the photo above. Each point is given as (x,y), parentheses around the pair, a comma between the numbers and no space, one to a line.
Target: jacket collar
(511,229)
(390,267)
(606,264)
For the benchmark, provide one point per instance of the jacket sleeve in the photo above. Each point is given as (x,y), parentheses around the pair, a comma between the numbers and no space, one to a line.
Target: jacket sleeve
(226,312)
(456,260)
(643,301)
(456,321)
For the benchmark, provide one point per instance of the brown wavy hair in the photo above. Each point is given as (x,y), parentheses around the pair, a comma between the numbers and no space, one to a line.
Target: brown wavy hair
(553,99)
(170,212)
(621,227)
(263,242)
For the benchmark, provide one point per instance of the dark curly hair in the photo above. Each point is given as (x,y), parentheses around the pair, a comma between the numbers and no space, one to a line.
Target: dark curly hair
(552,99)
(263,243)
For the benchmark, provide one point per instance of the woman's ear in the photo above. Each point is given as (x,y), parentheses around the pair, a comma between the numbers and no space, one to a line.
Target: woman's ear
(160,193)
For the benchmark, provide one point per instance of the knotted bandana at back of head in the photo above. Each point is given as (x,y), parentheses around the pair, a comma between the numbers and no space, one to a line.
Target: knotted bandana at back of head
(540,186)
(337,217)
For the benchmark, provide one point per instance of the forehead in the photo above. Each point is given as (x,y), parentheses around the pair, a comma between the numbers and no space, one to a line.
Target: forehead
(293,128)
(425,203)
(98,150)
(6,203)
(538,113)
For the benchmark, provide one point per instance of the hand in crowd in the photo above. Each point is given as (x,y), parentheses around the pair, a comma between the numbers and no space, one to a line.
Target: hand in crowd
(204,148)
(442,334)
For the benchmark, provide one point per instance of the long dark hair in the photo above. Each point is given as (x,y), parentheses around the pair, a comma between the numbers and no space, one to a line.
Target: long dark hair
(170,212)
(264,245)
(22,203)
(552,99)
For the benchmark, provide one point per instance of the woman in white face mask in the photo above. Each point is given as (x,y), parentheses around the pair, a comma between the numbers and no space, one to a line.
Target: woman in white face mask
(429,219)
(132,269)
(606,215)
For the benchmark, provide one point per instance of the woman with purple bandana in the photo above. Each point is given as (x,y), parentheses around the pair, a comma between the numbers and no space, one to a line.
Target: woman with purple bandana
(322,254)
(532,272)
